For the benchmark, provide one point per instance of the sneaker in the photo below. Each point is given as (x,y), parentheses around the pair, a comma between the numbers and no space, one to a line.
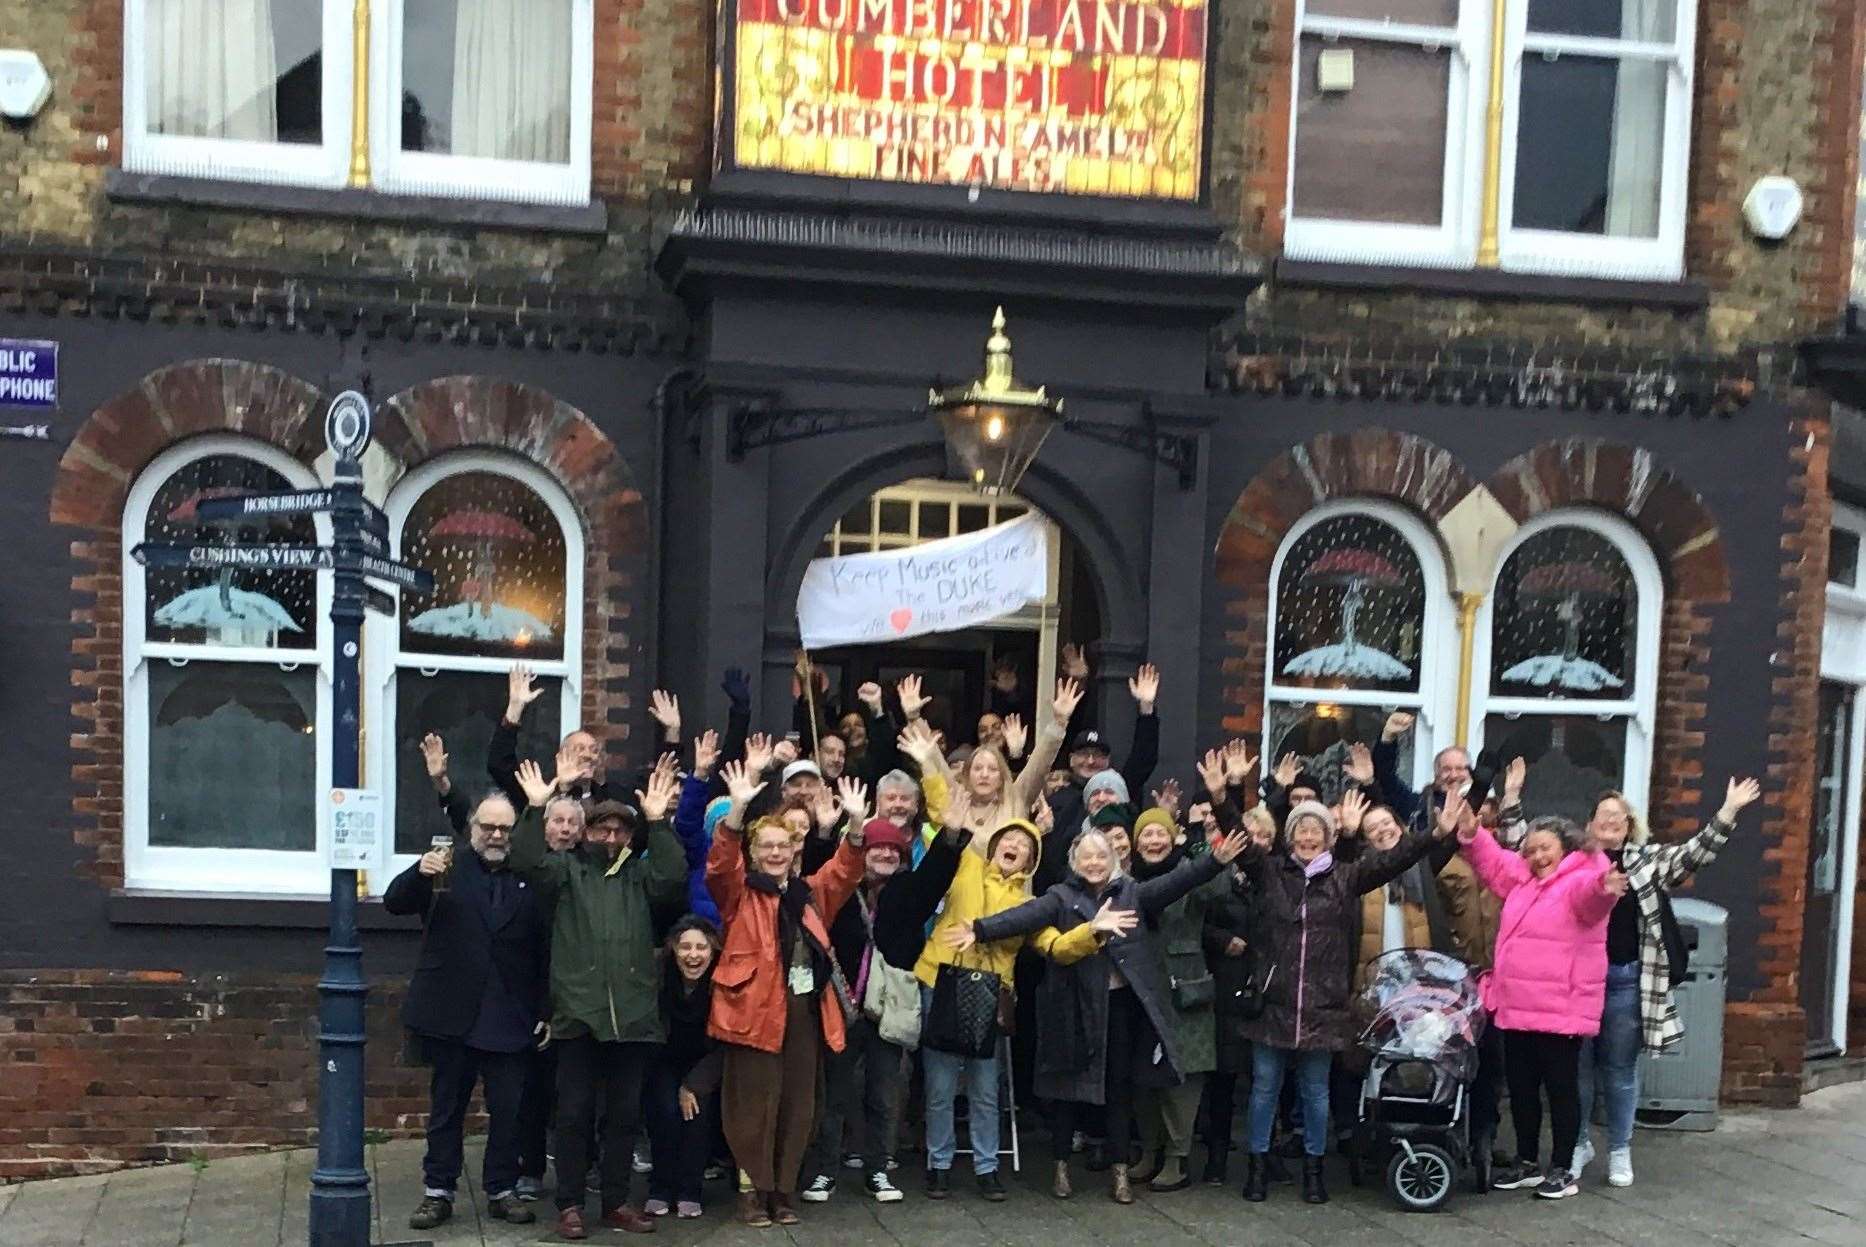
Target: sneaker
(715,1171)
(687,1209)
(884,1191)
(1583,1155)
(1514,1177)
(642,1163)
(893,1164)
(819,1190)
(991,1187)
(851,1160)
(1620,1167)
(939,1183)
(432,1211)
(1076,1141)
(528,1189)
(1560,1184)
(656,1208)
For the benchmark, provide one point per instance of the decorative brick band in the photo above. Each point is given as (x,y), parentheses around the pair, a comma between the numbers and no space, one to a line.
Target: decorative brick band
(237,396)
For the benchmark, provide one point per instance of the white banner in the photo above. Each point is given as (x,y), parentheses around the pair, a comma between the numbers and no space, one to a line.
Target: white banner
(941,586)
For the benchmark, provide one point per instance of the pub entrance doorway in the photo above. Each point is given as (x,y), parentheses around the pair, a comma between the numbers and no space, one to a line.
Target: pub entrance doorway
(958,667)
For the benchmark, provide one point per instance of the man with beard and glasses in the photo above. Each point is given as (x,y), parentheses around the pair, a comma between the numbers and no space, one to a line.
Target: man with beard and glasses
(475,1003)
(605,1000)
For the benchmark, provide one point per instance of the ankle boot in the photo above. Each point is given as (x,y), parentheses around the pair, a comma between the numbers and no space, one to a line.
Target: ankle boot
(1313,1192)
(1149,1165)
(1060,1187)
(1256,1178)
(1122,1192)
(1216,1162)
(1172,1176)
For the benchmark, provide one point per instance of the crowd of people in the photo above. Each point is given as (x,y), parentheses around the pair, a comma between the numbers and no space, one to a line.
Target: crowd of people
(777,953)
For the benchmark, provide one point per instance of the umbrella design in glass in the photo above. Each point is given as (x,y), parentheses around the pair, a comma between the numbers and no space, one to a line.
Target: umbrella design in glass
(228,615)
(1356,571)
(477,617)
(1567,584)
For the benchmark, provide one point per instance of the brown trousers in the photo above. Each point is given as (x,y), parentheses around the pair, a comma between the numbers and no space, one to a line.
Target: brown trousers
(768,1100)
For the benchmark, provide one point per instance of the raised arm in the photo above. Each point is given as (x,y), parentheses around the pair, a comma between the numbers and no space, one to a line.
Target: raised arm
(1143,755)
(1049,739)
(690,812)
(665,863)
(1033,915)
(725,860)
(1676,862)
(1398,793)
(1155,895)
(521,690)
(1501,870)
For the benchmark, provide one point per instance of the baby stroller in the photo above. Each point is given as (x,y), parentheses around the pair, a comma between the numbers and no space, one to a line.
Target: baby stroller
(1420,1020)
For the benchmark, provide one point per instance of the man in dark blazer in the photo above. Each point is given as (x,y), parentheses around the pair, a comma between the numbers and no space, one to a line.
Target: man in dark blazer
(475,1003)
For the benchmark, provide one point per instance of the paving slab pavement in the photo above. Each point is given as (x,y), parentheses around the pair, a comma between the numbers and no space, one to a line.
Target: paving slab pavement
(1763,1179)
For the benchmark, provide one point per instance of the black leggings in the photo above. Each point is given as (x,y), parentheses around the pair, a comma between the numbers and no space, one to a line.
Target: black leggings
(1535,1063)
(1131,1040)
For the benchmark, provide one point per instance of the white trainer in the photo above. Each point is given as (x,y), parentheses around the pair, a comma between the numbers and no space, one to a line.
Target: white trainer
(1620,1167)
(1583,1154)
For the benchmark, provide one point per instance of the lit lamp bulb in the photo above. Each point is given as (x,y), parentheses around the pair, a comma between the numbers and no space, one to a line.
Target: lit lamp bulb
(994,428)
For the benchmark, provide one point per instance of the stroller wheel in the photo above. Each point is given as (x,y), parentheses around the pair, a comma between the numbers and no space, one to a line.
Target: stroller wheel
(1421,1182)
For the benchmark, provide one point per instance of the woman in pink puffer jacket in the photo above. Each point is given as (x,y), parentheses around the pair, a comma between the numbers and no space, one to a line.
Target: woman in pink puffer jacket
(1549,981)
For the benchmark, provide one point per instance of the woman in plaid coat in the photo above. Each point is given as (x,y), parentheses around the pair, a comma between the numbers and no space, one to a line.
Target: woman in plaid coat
(1639,1010)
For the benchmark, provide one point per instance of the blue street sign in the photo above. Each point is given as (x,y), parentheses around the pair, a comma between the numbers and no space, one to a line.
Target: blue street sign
(384,569)
(261,558)
(292,502)
(28,374)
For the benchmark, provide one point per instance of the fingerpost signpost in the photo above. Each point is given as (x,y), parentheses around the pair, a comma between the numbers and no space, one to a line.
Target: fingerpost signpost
(359,551)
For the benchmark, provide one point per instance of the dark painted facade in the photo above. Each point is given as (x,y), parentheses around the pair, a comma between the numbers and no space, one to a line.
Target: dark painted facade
(620,353)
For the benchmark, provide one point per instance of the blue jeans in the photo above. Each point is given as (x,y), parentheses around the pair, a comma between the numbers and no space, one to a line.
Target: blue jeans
(1610,1060)
(942,1071)
(1267,1066)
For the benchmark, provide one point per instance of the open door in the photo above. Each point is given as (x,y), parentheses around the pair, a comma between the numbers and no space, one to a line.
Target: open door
(1823,988)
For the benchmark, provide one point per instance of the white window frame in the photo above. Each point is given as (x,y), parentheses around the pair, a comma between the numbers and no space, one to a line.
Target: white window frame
(220,870)
(1639,708)
(383,633)
(237,160)
(1452,243)
(476,177)
(1843,661)
(1437,639)
(1600,255)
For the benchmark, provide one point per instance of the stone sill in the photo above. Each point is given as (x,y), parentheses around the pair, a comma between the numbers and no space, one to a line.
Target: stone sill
(141,907)
(1678,296)
(162,190)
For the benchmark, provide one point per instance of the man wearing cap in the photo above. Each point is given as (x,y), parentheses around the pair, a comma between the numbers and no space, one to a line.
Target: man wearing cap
(863,1081)
(605,999)
(1089,757)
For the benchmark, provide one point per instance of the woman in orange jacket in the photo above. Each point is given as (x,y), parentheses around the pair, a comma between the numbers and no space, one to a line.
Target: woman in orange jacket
(778,995)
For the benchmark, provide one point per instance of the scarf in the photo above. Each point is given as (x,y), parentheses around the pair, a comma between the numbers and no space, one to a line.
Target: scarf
(793,899)
(1320,865)
(1143,870)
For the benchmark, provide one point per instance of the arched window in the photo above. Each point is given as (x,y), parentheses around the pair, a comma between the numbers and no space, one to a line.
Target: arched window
(1569,651)
(225,687)
(506,550)
(1357,605)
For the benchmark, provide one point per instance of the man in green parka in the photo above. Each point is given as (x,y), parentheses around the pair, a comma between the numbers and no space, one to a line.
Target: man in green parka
(605,991)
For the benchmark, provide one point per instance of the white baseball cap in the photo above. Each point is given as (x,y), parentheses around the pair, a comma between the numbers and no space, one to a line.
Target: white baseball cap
(802,766)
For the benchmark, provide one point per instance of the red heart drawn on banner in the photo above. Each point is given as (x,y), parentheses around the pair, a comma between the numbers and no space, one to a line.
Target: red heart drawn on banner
(899,619)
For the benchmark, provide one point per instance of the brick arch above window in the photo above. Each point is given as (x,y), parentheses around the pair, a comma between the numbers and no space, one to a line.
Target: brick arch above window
(182,400)
(481,413)
(1628,481)
(1365,463)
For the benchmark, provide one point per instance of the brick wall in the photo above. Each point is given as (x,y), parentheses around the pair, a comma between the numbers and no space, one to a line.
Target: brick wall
(105,1069)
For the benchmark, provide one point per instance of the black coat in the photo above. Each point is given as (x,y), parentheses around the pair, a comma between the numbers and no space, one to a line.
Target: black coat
(1231,912)
(912,897)
(1304,953)
(1072,1001)
(464,940)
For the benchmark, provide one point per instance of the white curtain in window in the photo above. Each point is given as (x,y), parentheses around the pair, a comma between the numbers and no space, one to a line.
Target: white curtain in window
(512,80)
(1637,161)
(211,69)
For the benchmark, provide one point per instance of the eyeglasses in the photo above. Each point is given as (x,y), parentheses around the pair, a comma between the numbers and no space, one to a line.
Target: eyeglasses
(489,828)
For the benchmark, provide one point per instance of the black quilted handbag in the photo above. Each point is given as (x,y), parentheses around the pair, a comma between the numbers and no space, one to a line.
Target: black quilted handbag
(962,1018)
